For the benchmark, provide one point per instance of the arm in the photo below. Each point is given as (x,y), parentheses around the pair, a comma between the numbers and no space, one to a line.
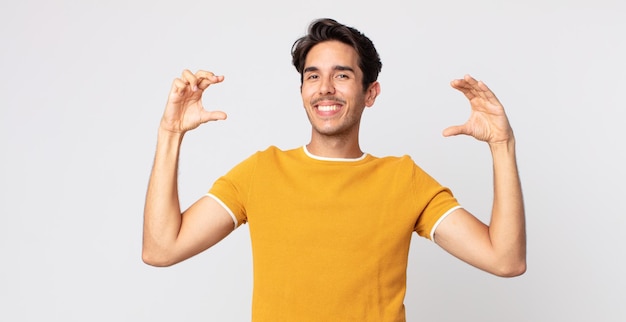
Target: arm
(500,247)
(170,236)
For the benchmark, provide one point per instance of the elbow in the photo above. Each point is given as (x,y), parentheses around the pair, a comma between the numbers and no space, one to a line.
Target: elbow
(511,269)
(155,258)
(153,262)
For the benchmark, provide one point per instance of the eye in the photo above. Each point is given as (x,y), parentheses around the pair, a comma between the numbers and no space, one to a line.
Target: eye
(343,76)
(312,76)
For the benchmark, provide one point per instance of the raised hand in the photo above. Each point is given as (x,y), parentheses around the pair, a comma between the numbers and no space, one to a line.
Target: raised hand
(488,121)
(184,110)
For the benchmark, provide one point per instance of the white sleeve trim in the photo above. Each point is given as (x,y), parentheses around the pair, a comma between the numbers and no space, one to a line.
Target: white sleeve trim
(232,215)
(432,231)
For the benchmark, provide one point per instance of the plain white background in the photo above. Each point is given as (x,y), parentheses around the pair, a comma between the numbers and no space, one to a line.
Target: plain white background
(83,85)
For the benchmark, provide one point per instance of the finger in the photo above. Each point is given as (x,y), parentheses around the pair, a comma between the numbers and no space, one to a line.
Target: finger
(454,130)
(478,85)
(191,79)
(206,81)
(205,74)
(479,88)
(473,88)
(179,86)
(487,93)
(469,79)
(207,116)
(464,87)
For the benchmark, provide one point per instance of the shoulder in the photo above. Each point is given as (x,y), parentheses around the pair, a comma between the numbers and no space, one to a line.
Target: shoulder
(276,152)
(403,165)
(273,156)
(404,161)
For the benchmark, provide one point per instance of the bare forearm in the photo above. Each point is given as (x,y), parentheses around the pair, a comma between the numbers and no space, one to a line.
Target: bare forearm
(507,228)
(162,214)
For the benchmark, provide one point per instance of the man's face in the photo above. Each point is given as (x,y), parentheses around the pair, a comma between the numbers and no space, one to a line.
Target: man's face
(332,92)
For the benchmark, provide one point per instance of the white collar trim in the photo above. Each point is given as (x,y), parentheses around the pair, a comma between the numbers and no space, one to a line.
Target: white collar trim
(312,156)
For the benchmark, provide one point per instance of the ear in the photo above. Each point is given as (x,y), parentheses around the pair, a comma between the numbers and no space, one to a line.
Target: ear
(372,92)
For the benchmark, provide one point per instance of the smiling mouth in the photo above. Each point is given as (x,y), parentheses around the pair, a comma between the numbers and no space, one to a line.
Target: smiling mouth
(327,108)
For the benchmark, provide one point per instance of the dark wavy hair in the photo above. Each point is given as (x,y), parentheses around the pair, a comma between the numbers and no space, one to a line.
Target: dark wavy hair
(326,29)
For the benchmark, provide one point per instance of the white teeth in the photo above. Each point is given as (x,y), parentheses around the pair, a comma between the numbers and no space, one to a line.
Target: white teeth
(327,108)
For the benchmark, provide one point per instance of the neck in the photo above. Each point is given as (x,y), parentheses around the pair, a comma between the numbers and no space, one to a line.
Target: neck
(334,147)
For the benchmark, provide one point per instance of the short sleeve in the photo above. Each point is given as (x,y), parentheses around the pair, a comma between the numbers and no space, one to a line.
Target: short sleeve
(434,202)
(232,189)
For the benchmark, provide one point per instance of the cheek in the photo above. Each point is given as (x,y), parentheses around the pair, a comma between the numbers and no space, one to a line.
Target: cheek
(306,89)
(306,95)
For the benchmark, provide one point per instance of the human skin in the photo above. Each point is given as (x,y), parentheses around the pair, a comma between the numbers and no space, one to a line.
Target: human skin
(334,99)
(170,236)
(500,247)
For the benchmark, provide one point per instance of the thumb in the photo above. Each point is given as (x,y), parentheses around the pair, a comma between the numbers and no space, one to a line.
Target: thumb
(207,116)
(454,130)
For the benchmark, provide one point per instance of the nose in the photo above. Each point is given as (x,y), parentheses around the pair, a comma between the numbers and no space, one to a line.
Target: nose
(327,86)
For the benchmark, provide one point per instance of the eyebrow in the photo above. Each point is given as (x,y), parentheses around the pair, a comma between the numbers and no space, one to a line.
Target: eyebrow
(336,67)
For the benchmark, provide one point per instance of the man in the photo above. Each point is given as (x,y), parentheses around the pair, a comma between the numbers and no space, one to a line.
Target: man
(331,225)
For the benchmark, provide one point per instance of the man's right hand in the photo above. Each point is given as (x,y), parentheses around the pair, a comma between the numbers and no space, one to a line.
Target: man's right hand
(168,236)
(184,110)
